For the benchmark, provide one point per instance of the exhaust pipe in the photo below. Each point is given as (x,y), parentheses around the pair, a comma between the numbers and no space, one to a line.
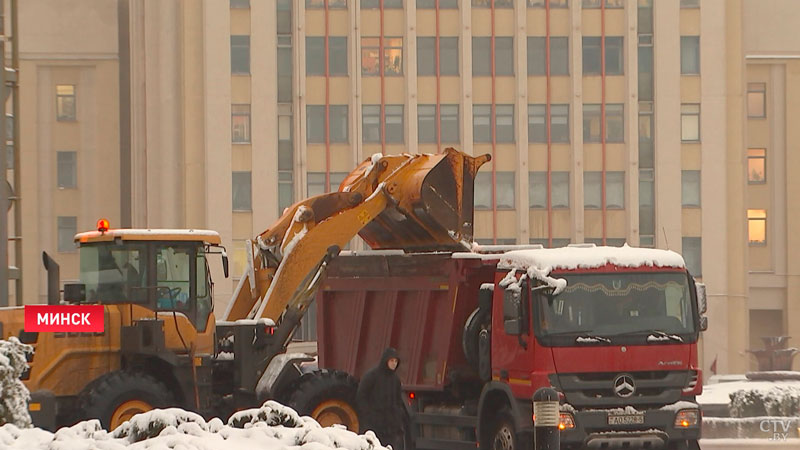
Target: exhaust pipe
(53,279)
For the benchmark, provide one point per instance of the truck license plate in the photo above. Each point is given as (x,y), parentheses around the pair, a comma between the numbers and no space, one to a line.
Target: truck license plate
(625,419)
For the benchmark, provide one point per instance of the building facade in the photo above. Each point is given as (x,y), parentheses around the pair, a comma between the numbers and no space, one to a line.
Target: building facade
(657,123)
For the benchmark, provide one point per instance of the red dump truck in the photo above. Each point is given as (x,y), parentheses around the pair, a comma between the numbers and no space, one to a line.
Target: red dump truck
(614,330)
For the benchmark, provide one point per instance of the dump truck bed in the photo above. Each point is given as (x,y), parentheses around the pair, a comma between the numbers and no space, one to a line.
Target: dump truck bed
(417,303)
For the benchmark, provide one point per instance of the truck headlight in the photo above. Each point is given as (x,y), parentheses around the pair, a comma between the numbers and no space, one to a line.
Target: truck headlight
(566,421)
(687,418)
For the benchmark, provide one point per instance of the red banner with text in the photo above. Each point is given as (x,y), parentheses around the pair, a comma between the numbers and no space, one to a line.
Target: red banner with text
(64,318)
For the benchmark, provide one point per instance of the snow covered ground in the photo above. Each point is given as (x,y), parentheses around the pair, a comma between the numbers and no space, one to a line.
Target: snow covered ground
(272,427)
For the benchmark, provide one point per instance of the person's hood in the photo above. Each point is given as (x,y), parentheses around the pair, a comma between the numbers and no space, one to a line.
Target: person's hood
(387,355)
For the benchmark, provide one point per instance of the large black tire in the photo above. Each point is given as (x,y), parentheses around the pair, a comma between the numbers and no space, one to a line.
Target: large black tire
(501,433)
(117,396)
(328,396)
(477,321)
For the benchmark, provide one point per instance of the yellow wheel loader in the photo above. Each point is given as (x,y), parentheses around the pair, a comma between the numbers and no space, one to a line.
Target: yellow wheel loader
(162,344)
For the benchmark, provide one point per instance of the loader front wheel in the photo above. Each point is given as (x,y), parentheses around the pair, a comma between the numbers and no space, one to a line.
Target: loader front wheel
(118,396)
(328,396)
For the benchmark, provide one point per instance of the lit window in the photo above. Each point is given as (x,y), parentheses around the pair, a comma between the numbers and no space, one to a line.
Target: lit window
(392,56)
(690,122)
(756,165)
(757,100)
(65,102)
(757,226)
(240,123)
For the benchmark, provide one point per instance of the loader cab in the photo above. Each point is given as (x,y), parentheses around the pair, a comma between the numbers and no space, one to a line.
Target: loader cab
(162,270)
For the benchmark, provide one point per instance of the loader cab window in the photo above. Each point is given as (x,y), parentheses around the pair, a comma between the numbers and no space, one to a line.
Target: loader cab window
(182,281)
(114,272)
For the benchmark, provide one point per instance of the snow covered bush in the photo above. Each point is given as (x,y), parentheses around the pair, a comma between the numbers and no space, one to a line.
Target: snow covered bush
(14,395)
(272,413)
(781,401)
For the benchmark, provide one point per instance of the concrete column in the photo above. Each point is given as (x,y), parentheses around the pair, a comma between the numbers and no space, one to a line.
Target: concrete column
(466,77)
(410,44)
(631,43)
(521,113)
(576,123)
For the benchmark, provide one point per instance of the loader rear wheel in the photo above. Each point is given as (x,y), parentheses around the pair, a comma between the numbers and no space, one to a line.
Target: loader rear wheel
(328,396)
(118,396)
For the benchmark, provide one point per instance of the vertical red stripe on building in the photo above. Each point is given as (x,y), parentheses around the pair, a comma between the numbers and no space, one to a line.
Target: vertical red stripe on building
(603,112)
(494,133)
(327,105)
(438,86)
(382,58)
(547,121)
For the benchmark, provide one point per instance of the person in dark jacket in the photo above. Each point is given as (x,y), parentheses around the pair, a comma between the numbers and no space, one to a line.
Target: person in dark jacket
(380,401)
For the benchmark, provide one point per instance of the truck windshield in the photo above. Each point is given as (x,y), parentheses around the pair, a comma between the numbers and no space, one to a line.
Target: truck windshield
(112,272)
(618,303)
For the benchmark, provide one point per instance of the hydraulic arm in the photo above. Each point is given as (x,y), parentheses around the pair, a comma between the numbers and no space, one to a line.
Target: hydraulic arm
(419,202)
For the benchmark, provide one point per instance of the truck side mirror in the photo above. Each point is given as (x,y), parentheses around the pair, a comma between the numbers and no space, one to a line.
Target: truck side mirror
(514,320)
(225,264)
(702,302)
(703,323)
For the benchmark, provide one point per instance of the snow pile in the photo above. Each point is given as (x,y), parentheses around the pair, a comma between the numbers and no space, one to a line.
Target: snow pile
(781,401)
(14,395)
(721,393)
(273,426)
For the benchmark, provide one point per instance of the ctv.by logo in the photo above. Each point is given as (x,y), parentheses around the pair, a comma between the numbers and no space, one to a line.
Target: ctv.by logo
(779,427)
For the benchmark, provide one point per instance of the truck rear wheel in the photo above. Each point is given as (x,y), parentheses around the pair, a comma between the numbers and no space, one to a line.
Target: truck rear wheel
(118,396)
(328,396)
(502,434)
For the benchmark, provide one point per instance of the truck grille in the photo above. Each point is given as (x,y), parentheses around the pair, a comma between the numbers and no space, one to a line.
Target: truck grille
(598,390)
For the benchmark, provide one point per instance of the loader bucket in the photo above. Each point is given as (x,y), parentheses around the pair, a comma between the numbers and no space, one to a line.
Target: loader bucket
(433,208)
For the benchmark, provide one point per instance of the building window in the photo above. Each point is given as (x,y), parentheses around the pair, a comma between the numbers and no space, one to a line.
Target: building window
(614,56)
(690,3)
(337,55)
(504,190)
(242,191)
(240,124)
(690,188)
(482,56)
(426,123)
(67,170)
(556,242)
(285,68)
(692,255)
(757,226)
(285,157)
(426,56)
(284,17)
(392,56)
(615,125)
(243,4)
(67,229)
(482,123)
(559,56)
(593,188)
(393,4)
(559,190)
(497,3)
(443,4)
(316,182)
(757,100)
(756,165)
(65,103)
(690,122)
(553,3)
(315,125)
(559,123)
(690,55)
(595,4)
(371,123)
(240,54)
(332,4)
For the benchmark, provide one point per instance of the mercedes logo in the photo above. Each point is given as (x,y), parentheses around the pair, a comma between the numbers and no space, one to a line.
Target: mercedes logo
(624,386)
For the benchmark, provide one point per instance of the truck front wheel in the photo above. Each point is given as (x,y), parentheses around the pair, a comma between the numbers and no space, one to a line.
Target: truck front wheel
(328,396)
(118,396)
(501,434)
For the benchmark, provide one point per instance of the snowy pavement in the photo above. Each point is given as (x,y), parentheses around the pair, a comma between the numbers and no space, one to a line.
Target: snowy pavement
(749,444)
